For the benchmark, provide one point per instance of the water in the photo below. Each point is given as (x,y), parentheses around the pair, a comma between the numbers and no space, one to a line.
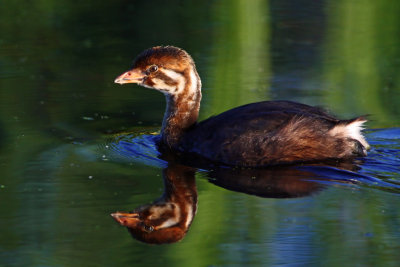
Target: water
(74,147)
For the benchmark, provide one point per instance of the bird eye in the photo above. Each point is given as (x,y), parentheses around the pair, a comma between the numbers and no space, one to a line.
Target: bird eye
(148,228)
(153,68)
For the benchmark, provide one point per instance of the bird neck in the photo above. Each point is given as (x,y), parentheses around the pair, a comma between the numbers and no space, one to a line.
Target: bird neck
(182,109)
(180,189)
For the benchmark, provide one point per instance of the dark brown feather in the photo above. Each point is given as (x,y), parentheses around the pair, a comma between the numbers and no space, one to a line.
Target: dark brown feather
(268,133)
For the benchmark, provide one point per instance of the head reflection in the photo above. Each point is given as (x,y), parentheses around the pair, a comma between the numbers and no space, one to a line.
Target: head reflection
(168,218)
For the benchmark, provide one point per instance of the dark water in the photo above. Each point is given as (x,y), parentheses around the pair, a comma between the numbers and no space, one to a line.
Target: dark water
(74,147)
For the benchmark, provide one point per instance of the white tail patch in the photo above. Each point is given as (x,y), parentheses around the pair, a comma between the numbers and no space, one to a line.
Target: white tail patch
(352,130)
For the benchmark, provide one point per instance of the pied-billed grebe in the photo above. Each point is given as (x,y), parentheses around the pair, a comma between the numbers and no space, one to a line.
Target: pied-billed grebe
(253,135)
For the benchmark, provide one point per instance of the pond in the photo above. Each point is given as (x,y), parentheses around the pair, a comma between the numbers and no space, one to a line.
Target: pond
(75,147)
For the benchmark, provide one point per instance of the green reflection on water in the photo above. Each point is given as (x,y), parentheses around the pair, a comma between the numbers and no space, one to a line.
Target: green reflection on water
(362,59)
(240,68)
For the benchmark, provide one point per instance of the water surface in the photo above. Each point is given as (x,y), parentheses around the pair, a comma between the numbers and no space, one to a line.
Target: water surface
(75,147)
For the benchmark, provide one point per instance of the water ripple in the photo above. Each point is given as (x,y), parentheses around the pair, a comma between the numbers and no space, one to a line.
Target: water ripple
(139,148)
(380,170)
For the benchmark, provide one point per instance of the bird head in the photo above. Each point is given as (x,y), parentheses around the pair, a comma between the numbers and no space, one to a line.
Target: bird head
(168,69)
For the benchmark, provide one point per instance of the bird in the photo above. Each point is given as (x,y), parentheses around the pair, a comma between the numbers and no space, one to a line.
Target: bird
(258,134)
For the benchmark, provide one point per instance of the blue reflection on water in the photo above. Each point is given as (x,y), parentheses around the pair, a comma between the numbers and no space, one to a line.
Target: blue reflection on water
(139,148)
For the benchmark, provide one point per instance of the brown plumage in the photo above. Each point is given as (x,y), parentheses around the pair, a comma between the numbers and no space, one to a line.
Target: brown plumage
(254,135)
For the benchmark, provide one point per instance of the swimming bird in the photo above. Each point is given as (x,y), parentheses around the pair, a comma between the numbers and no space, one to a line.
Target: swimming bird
(253,135)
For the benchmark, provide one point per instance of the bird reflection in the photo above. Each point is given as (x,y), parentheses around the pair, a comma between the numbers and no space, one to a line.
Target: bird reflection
(277,182)
(167,219)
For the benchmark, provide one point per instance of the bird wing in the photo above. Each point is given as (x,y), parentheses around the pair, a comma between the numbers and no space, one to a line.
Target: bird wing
(259,133)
